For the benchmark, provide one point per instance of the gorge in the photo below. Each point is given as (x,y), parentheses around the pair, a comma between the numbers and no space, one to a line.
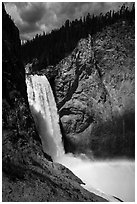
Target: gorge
(68,121)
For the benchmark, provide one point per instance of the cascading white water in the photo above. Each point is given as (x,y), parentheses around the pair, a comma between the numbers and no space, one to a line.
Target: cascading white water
(115,178)
(44,110)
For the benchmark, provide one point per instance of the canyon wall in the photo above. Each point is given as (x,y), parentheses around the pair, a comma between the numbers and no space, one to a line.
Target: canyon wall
(95,93)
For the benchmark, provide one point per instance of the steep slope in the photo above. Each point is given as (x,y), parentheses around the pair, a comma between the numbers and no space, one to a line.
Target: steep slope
(95,93)
(28,173)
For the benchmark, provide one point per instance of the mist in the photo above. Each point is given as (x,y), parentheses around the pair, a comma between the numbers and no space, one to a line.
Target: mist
(108,178)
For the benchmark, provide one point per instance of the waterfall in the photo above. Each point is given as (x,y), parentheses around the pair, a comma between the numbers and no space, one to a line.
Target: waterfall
(104,178)
(44,110)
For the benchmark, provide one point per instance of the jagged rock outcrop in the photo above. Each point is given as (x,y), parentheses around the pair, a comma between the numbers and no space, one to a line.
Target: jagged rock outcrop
(28,173)
(95,93)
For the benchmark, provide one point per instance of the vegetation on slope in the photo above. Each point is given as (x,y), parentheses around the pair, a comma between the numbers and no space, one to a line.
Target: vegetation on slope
(49,49)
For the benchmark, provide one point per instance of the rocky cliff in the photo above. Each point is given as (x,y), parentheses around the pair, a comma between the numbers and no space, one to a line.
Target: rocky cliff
(94,90)
(28,173)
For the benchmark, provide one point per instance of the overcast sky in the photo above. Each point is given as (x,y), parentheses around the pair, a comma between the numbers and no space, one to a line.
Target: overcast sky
(35,17)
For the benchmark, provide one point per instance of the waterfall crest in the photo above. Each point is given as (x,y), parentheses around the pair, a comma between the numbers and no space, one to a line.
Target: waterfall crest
(44,110)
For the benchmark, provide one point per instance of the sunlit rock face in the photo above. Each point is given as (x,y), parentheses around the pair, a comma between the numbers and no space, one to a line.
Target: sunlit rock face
(95,93)
(44,110)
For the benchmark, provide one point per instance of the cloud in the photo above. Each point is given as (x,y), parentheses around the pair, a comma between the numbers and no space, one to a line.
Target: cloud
(26,28)
(36,17)
(32,12)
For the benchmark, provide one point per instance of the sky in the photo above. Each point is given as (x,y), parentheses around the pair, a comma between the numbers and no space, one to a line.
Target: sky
(33,18)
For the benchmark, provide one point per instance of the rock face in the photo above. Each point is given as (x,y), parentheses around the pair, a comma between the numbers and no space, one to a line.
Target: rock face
(95,93)
(28,173)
